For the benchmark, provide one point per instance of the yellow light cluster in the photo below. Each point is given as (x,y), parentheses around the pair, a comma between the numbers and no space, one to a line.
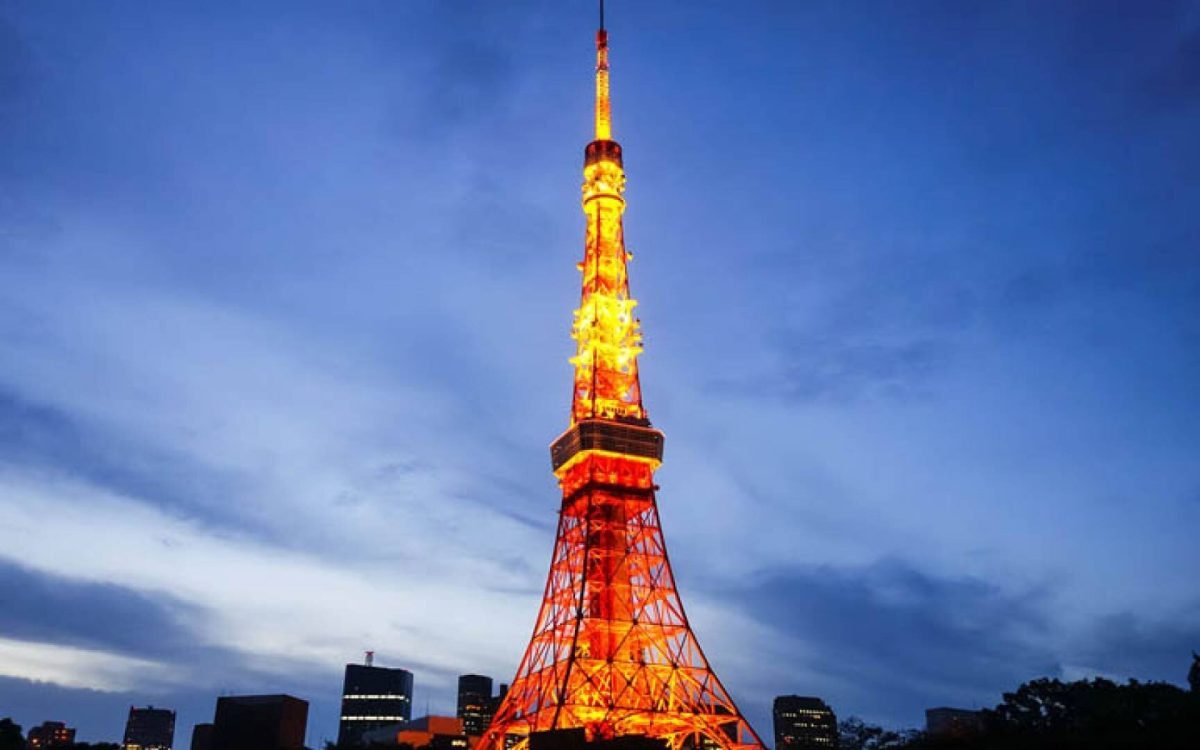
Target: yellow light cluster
(606,330)
(603,106)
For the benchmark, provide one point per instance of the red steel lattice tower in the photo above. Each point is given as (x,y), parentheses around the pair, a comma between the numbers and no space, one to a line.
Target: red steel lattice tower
(612,651)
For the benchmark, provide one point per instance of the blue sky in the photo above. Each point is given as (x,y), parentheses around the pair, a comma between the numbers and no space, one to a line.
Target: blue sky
(285,293)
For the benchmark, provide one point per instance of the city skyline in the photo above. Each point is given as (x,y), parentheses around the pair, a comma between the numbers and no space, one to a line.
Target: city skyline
(286,298)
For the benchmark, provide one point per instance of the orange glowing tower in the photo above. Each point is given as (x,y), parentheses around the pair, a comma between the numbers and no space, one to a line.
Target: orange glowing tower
(612,652)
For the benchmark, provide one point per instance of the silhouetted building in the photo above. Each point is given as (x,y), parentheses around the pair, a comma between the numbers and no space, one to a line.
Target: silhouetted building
(149,728)
(475,703)
(804,722)
(952,722)
(373,698)
(259,722)
(434,732)
(497,699)
(576,739)
(202,737)
(50,734)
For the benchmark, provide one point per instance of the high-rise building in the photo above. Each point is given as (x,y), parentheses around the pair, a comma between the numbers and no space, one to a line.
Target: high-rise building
(373,697)
(802,722)
(612,651)
(50,734)
(259,722)
(475,703)
(149,728)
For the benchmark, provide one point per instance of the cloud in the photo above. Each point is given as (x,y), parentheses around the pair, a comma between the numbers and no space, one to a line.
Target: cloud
(857,635)
(16,68)
(1175,83)
(839,371)
(76,667)
(1137,645)
(252,588)
(54,609)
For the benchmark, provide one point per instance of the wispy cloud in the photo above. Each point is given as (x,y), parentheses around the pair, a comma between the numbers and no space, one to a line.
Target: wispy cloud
(77,667)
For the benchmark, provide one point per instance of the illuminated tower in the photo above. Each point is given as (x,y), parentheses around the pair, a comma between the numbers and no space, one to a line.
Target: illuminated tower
(612,652)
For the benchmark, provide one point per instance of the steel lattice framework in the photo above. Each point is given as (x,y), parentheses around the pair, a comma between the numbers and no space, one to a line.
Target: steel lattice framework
(612,651)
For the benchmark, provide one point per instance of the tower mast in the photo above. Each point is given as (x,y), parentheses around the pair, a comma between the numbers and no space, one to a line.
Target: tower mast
(603,105)
(612,651)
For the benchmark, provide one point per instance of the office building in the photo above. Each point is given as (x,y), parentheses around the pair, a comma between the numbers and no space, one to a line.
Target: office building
(149,728)
(475,703)
(803,722)
(373,698)
(259,722)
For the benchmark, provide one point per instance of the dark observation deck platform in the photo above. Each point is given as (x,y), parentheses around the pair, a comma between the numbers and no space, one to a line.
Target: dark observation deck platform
(607,435)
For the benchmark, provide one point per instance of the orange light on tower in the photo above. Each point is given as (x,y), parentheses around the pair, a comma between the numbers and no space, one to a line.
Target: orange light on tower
(612,651)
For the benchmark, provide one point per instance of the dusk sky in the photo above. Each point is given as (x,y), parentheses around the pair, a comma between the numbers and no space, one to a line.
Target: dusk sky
(285,300)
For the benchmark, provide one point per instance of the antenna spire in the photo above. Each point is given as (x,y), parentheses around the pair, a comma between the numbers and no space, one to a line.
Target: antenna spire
(603,105)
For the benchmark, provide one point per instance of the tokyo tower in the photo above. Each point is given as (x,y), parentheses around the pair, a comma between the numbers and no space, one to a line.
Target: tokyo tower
(612,652)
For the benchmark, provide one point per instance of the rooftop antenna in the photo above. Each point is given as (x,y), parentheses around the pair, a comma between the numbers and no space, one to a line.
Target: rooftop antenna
(602,15)
(370,658)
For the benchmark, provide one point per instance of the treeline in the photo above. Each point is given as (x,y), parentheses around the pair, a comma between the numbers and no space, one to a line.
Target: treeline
(1047,714)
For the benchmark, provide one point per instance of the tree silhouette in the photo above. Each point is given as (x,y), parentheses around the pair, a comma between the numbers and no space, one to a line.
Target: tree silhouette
(1099,714)
(855,734)
(10,735)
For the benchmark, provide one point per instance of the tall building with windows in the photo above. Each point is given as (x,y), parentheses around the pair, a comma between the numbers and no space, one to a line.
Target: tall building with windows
(373,697)
(149,728)
(475,703)
(803,722)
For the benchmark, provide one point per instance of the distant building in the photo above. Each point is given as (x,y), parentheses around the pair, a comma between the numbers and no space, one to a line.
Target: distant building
(498,698)
(803,722)
(952,722)
(149,728)
(50,734)
(475,703)
(202,737)
(373,698)
(434,732)
(259,722)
